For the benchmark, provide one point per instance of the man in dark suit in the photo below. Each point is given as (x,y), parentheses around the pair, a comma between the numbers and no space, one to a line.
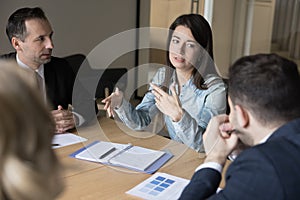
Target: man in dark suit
(30,33)
(264,102)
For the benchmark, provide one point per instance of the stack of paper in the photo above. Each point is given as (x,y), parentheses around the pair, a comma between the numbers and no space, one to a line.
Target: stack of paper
(123,155)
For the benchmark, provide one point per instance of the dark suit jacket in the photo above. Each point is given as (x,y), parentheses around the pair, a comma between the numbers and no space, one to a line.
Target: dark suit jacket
(59,81)
(267,171)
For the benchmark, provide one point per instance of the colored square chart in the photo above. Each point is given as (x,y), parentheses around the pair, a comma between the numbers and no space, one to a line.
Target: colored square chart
(160,186)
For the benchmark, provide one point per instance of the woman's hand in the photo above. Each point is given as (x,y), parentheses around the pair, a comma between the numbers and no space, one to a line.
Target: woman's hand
(113,101)
(168,104)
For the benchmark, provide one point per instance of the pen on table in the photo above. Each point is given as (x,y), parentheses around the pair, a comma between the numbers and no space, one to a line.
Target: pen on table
(107,153)
(55,144)
(231,131)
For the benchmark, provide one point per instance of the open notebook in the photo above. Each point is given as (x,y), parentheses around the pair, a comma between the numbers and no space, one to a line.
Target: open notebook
(123,155)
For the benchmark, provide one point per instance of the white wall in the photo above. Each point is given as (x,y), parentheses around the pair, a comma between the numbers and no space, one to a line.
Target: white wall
(79,26)
(222,26)
(240,27)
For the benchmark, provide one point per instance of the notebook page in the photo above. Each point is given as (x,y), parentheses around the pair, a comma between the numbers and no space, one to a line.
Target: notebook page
(137,158)
(101,151)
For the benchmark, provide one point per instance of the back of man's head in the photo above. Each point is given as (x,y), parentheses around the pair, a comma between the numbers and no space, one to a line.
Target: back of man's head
(268,85)
(16,23)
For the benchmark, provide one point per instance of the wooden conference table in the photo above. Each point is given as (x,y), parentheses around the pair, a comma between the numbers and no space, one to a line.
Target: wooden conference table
(87,180)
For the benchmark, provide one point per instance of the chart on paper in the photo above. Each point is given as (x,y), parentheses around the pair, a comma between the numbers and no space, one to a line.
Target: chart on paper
(160,186)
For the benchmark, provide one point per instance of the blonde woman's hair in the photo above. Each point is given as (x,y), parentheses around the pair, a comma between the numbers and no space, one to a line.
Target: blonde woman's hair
(29,167)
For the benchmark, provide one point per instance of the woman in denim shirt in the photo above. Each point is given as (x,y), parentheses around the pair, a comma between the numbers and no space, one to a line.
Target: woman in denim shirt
(188,92)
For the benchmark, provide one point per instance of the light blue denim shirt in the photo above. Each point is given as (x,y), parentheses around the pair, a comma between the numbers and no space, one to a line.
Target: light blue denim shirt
(199,107)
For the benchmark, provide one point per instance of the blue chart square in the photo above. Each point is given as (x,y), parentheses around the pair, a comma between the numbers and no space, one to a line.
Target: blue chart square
(160,178)
(144,190)
(150,186)
(164,185)
(169,181)
(155,182)
(154,193)
(160,189)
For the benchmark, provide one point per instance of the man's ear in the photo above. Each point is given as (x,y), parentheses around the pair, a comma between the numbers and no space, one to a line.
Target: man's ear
(242,115)
(15,43)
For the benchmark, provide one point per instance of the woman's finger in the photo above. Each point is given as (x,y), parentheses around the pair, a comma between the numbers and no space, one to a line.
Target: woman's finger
(157,89)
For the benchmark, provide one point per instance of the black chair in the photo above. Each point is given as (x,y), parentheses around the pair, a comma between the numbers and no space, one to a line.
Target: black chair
(109,78)
(106,79)
(75,61)
(227,104)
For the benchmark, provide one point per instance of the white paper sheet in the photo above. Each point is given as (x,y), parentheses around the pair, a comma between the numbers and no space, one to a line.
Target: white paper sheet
(61,140)
(138,157)
(160,186)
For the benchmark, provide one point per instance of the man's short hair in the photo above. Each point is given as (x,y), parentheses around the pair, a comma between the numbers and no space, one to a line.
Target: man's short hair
(266,84)
(16,22)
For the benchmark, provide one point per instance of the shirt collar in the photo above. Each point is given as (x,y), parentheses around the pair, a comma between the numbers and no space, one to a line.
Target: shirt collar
(174,79)
(39,70)
(265,138)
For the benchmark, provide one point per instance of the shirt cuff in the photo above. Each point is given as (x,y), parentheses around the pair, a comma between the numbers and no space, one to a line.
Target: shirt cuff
(79,118)
(211,165)
(182,124)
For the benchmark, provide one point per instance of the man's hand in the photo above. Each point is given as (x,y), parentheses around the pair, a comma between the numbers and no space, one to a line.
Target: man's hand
(218,139)
(64,120)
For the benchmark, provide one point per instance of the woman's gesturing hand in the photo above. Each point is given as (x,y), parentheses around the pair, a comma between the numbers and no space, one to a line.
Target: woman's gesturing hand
(113,101)
(168,104)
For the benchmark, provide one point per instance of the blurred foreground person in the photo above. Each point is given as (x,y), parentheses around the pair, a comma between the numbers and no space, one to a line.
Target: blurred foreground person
(28,166)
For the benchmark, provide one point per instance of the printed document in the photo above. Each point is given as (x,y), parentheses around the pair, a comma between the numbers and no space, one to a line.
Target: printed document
(160,186)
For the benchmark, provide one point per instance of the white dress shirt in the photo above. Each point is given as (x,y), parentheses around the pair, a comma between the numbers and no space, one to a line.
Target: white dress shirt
(40,72)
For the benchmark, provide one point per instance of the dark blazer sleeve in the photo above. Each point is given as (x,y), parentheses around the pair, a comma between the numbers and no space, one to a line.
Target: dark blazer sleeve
(60,79)
(251,176)
(203,184)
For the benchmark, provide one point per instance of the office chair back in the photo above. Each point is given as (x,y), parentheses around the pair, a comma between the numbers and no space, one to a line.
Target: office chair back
(110,77)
